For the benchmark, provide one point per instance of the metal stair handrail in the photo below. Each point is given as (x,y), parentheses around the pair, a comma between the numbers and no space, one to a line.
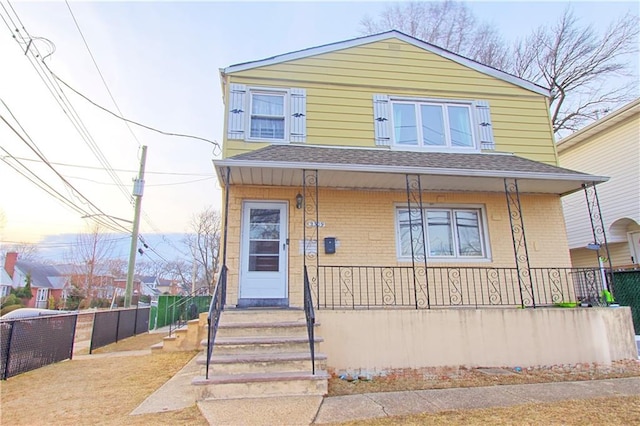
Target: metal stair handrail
(215,310)
(177,309)
(310,316)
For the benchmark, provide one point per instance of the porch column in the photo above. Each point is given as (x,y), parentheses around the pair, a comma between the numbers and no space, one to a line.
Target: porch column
(519,239)
(418,241)
(310,221)
(224,231)
(598,229)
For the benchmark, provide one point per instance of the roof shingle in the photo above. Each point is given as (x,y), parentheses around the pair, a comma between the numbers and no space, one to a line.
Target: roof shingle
(402,159)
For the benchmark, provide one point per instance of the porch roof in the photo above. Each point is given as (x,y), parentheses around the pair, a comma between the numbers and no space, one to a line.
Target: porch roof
(358,168)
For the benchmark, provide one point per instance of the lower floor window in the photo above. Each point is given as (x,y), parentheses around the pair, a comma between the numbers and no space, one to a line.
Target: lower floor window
(5,290)
(447,233)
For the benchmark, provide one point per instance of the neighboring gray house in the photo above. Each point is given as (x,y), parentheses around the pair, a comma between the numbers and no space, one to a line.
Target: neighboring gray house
(149,286)
(607,147)
(46,281)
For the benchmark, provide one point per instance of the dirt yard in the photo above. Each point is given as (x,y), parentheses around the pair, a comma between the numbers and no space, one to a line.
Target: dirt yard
(104,390)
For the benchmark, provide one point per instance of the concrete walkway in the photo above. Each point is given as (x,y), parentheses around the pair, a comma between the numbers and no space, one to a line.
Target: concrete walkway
(178,393)
(360,407)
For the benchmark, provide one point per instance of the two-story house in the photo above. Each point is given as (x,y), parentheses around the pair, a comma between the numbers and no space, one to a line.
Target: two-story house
(608,146)
(407,186)
(48,284)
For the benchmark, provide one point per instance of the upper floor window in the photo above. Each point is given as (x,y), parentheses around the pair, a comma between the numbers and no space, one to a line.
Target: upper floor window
(265,114)
(432,124)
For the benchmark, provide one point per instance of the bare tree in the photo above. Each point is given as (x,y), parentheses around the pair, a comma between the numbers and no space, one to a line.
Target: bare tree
(588,73)
(90,255)
(179,270)
(447,24)
(585,70)
(26,251)
(204,245)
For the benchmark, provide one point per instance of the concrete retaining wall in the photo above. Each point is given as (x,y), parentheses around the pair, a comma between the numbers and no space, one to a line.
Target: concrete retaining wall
(382,340)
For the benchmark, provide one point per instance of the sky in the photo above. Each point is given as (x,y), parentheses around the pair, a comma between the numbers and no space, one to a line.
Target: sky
(160,62)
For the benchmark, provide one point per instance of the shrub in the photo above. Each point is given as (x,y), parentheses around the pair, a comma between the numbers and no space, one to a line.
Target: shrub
(9,308)
(23,293)
(9,300)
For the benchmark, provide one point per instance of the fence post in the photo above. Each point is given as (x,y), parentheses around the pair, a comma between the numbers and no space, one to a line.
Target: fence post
(6,360)
(135,322)
(93,332)
(118,326)
(73,341)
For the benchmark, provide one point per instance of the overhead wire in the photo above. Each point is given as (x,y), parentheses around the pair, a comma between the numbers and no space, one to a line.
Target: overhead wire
(104,82)
(45,74)
(216,145)
(67,184)
(147,185)
(147,172)
(34,56)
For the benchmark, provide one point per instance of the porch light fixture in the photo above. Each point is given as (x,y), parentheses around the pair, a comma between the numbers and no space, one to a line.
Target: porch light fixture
(299,200)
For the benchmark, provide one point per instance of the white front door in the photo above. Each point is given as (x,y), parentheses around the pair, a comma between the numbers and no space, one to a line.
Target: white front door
(263,263)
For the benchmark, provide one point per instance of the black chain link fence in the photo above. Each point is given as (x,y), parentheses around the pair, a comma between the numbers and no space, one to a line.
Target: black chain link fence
(626,292)
(111,326)
(31,343)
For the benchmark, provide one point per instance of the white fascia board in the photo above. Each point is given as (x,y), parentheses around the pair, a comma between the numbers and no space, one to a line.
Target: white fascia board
(327,48)
(598,126)
(408,170)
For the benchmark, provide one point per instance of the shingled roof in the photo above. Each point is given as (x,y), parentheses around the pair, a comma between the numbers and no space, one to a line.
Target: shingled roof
(484,162)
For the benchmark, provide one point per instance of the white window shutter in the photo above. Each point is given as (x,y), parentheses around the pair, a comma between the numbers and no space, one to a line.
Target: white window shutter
(485,129)
(298,120)
(381,119)
(237,111)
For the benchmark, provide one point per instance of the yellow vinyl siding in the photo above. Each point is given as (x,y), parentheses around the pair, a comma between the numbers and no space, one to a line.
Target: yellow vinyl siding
(340,87)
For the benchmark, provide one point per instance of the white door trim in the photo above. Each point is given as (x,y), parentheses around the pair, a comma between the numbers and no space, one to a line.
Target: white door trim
(263,288)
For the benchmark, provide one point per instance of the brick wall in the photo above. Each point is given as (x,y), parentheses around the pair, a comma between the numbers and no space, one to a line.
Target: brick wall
(364,224)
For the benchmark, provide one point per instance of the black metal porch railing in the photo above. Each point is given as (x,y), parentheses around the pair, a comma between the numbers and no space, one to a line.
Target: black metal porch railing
(362,287)
(215,310)
(311,319)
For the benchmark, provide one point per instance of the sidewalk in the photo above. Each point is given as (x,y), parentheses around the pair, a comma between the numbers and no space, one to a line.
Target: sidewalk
(178,393)
(359,407)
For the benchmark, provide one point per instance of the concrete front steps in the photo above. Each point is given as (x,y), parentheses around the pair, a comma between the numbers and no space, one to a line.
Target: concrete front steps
(261,353)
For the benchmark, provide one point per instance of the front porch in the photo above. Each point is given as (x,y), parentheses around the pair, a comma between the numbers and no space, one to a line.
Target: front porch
(359,223)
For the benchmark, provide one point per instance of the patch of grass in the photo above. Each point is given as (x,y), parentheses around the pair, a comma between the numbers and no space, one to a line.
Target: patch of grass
(100,391)
(600,411)
(134,343)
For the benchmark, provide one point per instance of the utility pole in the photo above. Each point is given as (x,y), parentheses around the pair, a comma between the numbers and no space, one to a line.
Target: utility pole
(138,189)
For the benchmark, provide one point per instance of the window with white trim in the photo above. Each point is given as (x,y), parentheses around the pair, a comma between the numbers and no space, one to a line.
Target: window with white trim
(449,233)
(423,124)
(5,290)
(432,124)
(266,114)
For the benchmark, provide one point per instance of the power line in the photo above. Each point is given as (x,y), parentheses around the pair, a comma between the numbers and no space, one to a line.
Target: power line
(66,182)
(216,145)
(98,69)
(147,185)
(119,170)
(36,59)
